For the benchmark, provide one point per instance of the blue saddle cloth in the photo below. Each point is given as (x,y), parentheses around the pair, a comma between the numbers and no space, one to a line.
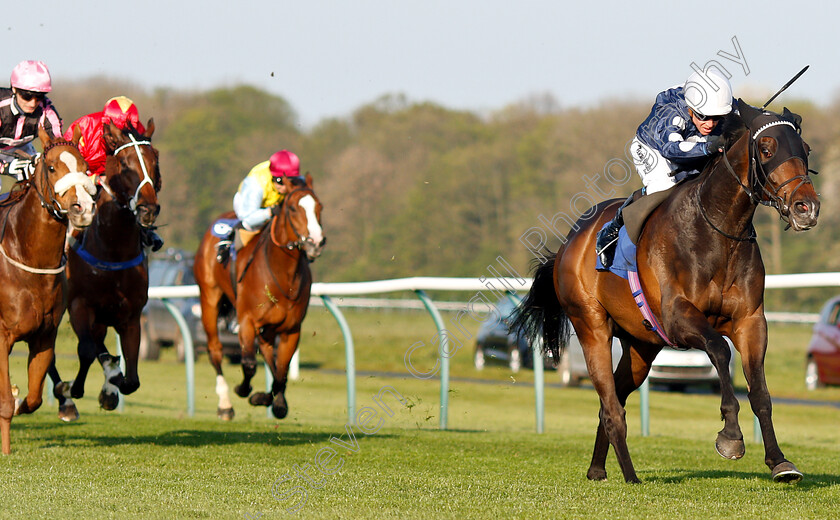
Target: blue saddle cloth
(223,227)
(625,255)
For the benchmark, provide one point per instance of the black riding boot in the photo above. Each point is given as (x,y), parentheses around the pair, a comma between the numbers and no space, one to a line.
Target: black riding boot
(608,236)
(150,239)
(223,249)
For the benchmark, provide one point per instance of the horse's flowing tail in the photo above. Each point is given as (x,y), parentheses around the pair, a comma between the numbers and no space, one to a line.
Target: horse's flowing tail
(540,313)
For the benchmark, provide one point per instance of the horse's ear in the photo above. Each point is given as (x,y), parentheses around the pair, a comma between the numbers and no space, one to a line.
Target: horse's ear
(150,128)
(112,136)
(77,135)
(796,119)
(747,111)
(767,147)
(308,180)
(44,136)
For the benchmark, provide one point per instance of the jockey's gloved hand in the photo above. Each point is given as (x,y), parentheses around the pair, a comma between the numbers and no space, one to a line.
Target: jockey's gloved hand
(714,144)
(276,210)
(18,168)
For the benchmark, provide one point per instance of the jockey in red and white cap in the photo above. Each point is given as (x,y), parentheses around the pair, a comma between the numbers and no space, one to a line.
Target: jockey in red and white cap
(23,107)
(119,110)
(123,113)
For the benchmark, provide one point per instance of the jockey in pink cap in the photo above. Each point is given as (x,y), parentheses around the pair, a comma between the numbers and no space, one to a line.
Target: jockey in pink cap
(123,113)
(23,107)
(262,189)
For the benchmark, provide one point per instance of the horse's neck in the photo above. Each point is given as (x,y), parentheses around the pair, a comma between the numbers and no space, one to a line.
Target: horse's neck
(722,195)
(34,228)
(115,227)
(291,261)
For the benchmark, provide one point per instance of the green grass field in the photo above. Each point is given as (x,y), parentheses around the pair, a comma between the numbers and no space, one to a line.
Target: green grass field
(153,462)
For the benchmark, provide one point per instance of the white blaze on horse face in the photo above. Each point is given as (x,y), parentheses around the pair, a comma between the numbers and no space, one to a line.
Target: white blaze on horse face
(78,179)
(308,205)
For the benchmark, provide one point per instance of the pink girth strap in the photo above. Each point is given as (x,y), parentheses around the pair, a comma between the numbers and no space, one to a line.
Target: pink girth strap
(641,301)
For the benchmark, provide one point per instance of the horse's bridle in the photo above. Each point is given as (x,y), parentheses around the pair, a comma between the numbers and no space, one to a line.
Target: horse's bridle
(147,179)
(301,240)
(67,181)
(758,175)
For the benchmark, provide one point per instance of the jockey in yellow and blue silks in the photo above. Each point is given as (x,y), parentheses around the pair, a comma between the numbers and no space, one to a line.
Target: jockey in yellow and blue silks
(674,142)
(263,188)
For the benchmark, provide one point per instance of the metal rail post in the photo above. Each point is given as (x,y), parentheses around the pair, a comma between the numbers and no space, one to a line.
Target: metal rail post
(350,356)
(442,353)
(189,354)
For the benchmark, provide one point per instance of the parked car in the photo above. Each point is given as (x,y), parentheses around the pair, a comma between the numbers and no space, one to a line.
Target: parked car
(495,344)
(675,368)
(822,362)
(158,327)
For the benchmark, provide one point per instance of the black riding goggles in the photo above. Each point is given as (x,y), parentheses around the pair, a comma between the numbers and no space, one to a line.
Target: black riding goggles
(28,95)
(701,117)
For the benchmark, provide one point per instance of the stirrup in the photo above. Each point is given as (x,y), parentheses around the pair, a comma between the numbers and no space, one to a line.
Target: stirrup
(223,251)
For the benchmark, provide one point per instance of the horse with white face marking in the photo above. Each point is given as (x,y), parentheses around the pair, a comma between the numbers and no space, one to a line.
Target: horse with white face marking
(32,284)
(271,293)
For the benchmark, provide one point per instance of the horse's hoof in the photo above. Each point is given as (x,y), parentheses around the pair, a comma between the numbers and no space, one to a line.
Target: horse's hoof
(108,401)
(599,474)
(242,391)
(68,412)
(786,472)
(225,414)
(732,449)
(77,392)
(260,399)
(279,407)
(15,391)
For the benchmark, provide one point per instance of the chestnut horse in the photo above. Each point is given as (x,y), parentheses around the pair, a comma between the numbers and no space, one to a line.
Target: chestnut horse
(701,269)
(33,225)
(270,295)
(107,268)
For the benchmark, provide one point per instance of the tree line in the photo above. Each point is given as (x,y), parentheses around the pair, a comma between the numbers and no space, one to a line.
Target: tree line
(417,189)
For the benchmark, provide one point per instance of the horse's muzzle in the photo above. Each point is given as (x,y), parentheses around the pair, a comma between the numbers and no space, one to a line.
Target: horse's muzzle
(312,249)
(803,214)
(81,216)
(147,214)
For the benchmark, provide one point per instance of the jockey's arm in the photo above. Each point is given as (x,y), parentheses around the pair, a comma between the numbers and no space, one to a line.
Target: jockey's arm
(247,204)
(673,146)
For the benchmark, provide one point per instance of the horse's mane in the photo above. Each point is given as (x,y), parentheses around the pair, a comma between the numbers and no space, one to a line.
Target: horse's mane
(297,182)
(733,128)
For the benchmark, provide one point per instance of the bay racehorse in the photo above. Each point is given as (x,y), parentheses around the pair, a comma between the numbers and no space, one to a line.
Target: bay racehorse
(33,225)
(107,268)
(701,270)
(270,293)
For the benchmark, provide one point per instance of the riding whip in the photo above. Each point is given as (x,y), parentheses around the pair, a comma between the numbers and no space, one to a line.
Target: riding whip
(789,83)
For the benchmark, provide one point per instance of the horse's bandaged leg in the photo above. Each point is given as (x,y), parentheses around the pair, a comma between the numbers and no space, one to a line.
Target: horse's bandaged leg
(111,368)
(223,392)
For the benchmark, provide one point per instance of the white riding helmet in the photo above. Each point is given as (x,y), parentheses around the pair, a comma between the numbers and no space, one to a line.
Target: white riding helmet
(708,93)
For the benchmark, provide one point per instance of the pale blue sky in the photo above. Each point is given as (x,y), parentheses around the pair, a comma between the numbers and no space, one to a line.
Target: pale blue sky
(330,57)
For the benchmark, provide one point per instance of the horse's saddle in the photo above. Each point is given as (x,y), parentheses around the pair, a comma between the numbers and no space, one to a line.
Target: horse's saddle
(637,213)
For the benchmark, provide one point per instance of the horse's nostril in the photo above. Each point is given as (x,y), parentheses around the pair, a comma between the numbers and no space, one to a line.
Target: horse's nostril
(801,207)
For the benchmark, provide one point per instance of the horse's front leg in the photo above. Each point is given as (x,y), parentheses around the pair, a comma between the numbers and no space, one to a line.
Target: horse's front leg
(67,410)
(247,335)
(130,345)
(750,338)
(286,349)
(266,343)
(41,353)
(82,320)
(687,326)
(7,400)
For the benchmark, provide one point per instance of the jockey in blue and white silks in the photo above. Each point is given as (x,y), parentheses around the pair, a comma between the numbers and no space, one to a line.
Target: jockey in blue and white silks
(673,143)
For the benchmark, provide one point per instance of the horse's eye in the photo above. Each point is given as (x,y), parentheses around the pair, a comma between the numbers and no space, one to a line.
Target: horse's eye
(52,169)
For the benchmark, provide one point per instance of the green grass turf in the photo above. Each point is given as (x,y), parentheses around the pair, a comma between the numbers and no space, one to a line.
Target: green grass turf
(153,462)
